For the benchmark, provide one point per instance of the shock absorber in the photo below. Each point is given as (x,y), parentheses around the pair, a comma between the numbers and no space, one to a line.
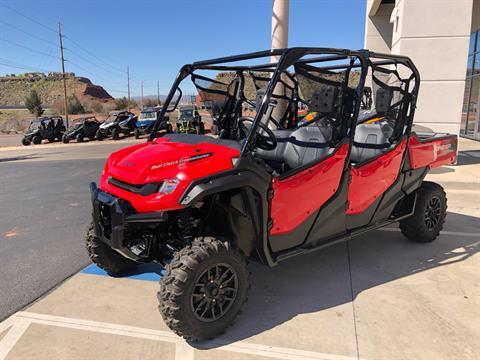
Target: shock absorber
(185,223)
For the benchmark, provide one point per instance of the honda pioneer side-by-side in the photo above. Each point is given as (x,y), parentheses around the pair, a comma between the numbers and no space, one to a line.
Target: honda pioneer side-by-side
(269,187)
(44,128)
(117,123)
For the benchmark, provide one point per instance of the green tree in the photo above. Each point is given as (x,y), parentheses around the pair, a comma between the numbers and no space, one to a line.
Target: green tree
(123,104)
(34,104)
(75,106)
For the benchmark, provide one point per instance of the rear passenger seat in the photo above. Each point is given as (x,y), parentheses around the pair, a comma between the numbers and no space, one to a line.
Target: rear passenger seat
(370,140)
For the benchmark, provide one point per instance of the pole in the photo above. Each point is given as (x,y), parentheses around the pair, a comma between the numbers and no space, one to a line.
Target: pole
(128,87)
(279,41)
(63,74)
(141,88)
(158,92)
(279,25)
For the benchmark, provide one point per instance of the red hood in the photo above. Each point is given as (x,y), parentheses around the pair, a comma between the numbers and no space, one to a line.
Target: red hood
(163,159)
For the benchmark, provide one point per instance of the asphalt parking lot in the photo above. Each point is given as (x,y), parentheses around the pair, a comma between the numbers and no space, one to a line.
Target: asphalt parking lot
(377,297)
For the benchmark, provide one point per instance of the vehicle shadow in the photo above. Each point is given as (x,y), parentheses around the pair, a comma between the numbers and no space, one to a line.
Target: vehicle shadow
(26,157)
(321,280)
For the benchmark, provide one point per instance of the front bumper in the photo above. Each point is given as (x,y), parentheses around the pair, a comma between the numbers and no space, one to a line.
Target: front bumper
(112,216)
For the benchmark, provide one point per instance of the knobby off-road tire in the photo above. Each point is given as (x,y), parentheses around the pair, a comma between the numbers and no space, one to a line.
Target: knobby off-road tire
(99,135)
(136,132)
(65,139)
(430,211)
(205,271)
(25,142)
(115,134)
(79,138)
(105,257)
(37,140)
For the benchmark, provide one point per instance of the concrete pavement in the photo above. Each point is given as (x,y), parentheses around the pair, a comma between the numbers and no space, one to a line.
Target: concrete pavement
(377,297)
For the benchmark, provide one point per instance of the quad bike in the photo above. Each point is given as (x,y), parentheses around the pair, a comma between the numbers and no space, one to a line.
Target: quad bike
(147,119)
(189,121)
(83,128)
(49,128)
(265,190)
(118,122)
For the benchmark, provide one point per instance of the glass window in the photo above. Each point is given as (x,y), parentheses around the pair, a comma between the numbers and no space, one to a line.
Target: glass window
(470,65)
(465,106)
(477,42)
(473,106)
(473,38)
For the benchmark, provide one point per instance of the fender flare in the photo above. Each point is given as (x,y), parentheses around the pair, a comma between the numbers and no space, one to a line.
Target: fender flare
(201,188)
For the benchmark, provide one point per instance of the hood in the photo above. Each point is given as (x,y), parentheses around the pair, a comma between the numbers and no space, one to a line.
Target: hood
(164,159)
(145,122)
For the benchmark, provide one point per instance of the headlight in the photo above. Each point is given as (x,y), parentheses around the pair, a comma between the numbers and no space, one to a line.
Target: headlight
(168,186)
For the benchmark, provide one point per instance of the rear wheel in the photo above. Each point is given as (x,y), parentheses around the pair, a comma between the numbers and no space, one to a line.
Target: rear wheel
(51,139)
(65,139)
(79,138)
(25,142)
(430,212)
(115,134)
(204,288)
(137,134)
(37,139)
(105,257)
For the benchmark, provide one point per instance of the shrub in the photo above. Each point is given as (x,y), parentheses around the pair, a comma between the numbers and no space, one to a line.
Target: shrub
(34,104)
(75,106)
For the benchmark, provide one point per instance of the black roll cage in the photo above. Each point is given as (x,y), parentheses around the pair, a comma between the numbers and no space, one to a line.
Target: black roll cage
(288,57)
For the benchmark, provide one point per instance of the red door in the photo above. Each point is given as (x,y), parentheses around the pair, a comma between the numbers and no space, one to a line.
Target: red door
(300,195)
(370,180)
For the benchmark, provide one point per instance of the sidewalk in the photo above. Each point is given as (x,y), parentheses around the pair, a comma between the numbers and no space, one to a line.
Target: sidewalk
(380,297)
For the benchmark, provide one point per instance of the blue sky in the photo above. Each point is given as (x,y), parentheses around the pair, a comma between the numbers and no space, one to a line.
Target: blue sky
(156,37)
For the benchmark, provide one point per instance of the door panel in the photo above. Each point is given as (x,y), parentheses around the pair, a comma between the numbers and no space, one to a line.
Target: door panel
(297,197)
(369,181)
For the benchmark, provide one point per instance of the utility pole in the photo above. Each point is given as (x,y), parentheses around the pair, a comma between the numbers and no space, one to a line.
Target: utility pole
(128,86)
(63,74)
(158,92)
(141,89)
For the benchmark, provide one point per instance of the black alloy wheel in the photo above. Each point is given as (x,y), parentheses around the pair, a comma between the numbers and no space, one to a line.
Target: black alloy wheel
(214,292)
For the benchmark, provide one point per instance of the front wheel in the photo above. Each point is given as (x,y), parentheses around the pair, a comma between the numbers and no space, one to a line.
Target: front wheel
(79,138)
(204,288)
(105,257)
(25,142)
(65,139)
(115,134)
(37,140)
(430,212)
(137,134)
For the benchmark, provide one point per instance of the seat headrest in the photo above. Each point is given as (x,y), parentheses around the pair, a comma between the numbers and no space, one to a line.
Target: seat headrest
(383,100)
(324,99)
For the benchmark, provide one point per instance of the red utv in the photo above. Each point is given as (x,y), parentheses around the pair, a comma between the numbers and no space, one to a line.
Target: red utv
(270,187)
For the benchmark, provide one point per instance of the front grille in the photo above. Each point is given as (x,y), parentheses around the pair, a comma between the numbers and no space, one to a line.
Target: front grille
(143,189)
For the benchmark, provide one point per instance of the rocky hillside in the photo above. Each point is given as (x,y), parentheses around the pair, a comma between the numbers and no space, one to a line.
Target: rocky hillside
(15,88)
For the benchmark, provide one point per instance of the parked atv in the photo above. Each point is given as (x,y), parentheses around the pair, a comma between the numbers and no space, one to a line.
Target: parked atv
(49,128)
(147,119)
(189,121)
(83,128)
(118,122)
(266,190)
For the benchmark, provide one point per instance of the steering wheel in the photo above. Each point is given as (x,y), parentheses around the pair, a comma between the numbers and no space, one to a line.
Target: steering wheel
(261,141)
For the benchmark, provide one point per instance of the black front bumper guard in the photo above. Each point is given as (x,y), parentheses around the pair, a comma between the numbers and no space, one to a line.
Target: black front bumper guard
(111,217)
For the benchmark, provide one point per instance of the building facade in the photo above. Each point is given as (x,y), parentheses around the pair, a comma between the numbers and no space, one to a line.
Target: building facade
(442,38)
